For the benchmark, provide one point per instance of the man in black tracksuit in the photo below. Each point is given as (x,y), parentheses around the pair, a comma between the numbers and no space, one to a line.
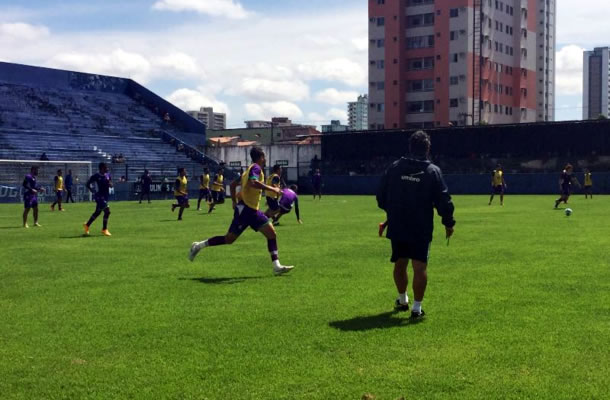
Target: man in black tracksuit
(410,189)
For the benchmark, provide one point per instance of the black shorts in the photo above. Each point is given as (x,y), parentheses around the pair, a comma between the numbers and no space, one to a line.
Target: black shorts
(498,189)
(413,250)
(218,196)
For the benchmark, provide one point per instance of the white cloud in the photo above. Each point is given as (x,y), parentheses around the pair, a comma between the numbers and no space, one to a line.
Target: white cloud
(190,100)
(338,69)
(268,110)
(118,62)
(337,113)
(179,63)
(321,41)
(23,31)
(316,118)
(216,8)
(361,44)
(568,80)
(335,97)
(263,89)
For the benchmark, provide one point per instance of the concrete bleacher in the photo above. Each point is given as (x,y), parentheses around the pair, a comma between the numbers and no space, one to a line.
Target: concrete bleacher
(74,116)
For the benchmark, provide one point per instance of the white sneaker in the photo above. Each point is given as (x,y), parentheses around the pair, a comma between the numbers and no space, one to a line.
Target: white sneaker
(282,269)
(195,249)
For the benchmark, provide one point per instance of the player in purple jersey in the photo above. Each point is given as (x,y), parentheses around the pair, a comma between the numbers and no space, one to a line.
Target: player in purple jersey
(566,180)
(316,181)
(30,196)
(103,180)
(247,213)
(288,198)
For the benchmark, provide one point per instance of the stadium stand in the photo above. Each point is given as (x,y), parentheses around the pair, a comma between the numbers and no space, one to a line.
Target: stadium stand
(77,116)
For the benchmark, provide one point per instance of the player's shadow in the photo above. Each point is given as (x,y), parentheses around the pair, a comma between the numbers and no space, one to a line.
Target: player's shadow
(226,281)
(81,236)
(390,319)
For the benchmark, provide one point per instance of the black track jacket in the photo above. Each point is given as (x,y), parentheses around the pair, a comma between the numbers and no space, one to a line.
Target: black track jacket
(409,191)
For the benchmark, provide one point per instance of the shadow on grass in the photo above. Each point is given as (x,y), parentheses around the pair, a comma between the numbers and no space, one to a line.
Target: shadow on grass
(169,220)
(225,281)
(384,320)
(81,236)
(11,227)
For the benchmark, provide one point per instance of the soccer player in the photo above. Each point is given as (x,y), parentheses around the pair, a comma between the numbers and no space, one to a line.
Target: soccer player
(204,188)
(288,198)
(498,185)
(30,196)
(410,189)
(58,183)
(274,180)
(181,193)
(588,184)
(247,213)
(145,182)
(103,181)
(218,190)
(316,181)
(69,184)
(566,180)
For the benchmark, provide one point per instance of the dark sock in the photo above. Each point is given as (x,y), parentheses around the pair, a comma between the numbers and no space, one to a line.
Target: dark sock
(272,247)
(216,241)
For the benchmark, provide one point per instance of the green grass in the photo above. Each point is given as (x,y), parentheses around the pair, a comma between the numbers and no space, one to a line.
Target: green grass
(518,306)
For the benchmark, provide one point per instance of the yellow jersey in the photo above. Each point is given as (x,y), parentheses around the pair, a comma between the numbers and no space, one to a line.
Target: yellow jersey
(59,183)
(205,181)
(498,178)
(588,179)
(217,184)
(181,190)
(249,195)
(273,180)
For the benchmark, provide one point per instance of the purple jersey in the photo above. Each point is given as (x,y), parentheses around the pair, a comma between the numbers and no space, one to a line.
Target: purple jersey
(29,184)
(103,185)
(316,179)
(287,199)
(566,179)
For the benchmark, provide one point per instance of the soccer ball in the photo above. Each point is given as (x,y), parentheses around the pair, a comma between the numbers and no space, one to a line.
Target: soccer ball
(568,212)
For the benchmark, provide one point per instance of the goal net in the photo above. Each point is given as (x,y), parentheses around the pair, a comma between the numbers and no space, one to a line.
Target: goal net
(12,173)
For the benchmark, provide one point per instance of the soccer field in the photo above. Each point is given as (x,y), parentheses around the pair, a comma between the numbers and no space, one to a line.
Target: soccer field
(518,306)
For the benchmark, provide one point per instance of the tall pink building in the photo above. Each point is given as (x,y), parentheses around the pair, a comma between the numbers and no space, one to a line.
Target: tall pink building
(460,62)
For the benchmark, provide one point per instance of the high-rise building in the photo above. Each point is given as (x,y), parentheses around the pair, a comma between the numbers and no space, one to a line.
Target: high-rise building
(460,62)
(212,120)
(595,93)
(357,114)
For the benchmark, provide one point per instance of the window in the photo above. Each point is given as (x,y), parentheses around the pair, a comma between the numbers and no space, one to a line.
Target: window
(453,35)
(454,57)
(454,12)
(380,64)
(381,85)
(380,107)
(380,42)
(453,103)
(380,21)
(419,2)
(380,2)
(420,85)
(415,64)
(416,107)
(453,80)
(420,42)
(420,20)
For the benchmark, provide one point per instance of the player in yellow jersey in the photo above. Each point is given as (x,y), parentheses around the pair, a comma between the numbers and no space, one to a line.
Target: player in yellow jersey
(204,188)
(247,213)
(58,184)
(498,185)
(588,186)
(181,192)
(272,198)
(218,189)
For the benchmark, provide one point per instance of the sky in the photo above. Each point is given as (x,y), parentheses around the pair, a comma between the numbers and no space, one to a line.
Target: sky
(252,59)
